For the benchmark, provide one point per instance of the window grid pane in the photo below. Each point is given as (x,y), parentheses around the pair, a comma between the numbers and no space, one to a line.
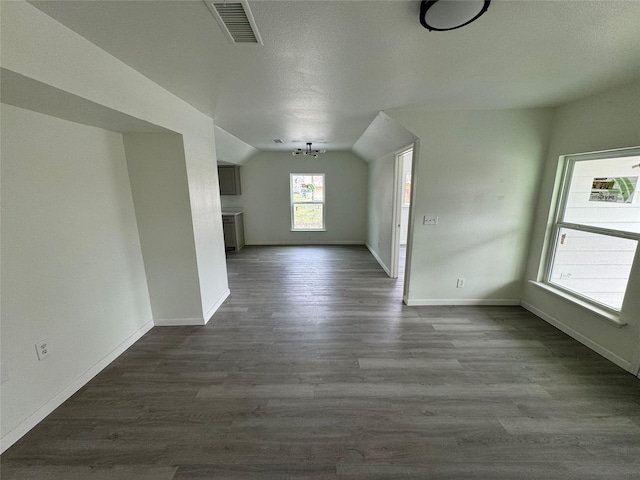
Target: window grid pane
(308,216)
(604,193)
(597,229)
(592,265)
(307,201)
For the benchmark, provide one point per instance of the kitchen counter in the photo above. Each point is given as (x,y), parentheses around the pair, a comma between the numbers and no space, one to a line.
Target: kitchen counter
(233,228)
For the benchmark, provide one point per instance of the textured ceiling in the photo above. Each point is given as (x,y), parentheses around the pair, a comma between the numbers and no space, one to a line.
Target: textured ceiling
(328,67)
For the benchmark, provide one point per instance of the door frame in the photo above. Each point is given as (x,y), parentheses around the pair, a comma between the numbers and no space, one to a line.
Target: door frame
(397,204)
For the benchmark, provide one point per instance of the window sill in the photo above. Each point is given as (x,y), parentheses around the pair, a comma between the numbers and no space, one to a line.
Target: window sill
(603,314)
(311,230)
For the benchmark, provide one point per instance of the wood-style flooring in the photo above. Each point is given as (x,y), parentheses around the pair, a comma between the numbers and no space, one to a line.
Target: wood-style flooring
(313,369)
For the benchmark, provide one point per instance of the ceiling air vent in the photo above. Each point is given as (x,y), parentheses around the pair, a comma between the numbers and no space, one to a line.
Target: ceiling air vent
(236,21)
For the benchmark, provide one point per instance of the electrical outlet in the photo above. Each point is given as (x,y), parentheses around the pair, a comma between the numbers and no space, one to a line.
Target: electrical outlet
(460,283)
(43,349)
(430,220)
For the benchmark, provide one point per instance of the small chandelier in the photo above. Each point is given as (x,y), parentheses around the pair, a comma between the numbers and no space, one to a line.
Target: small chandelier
(443,15)
(308,151)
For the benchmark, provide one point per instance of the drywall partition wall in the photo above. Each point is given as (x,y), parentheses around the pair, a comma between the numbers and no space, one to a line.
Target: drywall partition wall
(158,176)
(383,136)
(606,121)
(24,92)
(266,201)
(43,50)
(478,172)
(175,202)
(204,197)
(230,149)
(72,267)
(38,48)
(380,210)
(378,146)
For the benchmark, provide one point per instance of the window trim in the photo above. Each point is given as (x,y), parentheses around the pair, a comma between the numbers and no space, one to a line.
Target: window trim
(292,204)
(607,315)
(557,224)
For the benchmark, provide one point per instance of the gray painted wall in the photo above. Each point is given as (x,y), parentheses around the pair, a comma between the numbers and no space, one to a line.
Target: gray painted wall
(478,171)
(380,209)
(266,205)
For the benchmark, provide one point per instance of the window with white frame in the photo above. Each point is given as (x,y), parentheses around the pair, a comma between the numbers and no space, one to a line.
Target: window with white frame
(597,226)
(307,201)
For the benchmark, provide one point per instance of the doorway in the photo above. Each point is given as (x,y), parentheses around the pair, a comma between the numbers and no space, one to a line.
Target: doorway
(401,209)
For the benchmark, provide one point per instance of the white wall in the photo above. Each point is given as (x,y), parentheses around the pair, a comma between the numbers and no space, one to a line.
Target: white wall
(266,202)
(383,136)
(607,121)
(37,48)
(72,268)
(478,171)
(41,49)
(178,217)
(204,198)
(161,197)
(231,149)
(380,209)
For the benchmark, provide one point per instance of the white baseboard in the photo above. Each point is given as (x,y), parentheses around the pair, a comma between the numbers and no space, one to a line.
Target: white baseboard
(216,306)
(178,322)
(309,242)
(182,322)
(596,347)
(18,432)
(375,255)
(458,301)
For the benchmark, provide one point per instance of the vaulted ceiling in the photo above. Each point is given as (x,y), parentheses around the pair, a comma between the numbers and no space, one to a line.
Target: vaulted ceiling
(328,67)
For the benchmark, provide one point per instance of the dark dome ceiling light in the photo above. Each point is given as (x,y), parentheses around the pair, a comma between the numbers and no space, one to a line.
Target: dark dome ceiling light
(443,15)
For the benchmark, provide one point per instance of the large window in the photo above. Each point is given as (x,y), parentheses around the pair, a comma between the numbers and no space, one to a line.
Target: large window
(307,201)
(597,227)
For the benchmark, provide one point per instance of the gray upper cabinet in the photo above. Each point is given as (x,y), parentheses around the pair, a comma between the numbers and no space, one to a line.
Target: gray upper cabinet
(229,178)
